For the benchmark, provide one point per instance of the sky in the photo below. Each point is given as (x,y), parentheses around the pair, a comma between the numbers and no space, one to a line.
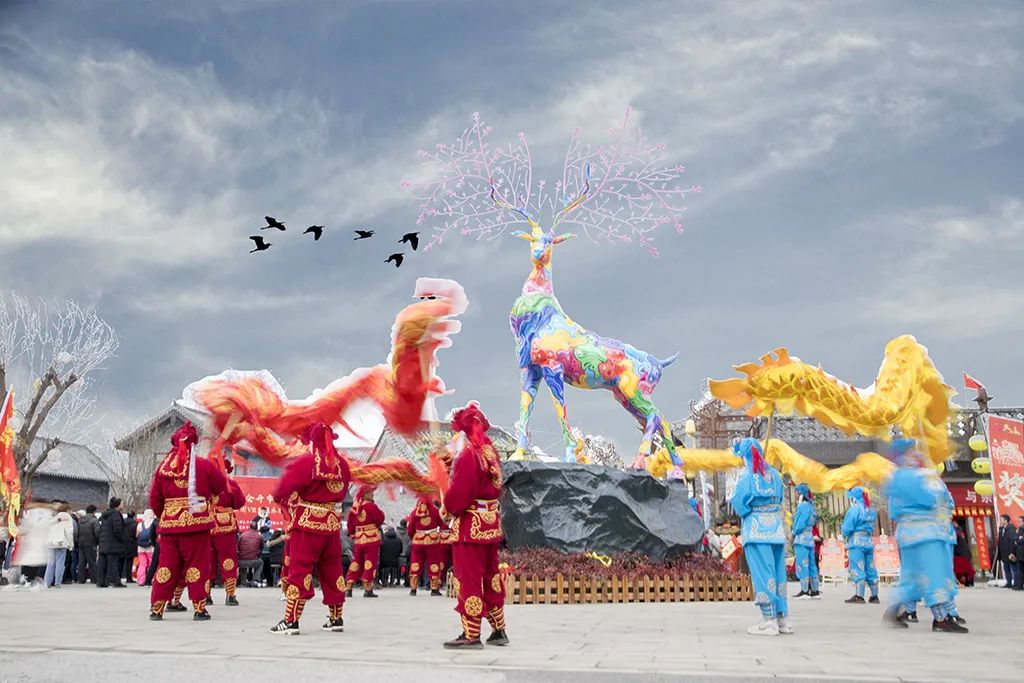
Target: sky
(862,170)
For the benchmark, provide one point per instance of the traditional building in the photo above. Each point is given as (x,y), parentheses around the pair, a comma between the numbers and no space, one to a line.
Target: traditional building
(71,472)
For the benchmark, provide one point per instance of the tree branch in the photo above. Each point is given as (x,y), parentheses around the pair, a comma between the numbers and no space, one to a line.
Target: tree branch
(44,453)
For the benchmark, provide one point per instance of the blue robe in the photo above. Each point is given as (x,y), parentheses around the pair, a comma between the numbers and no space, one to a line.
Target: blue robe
(918,504)
(803,546)
(758,502)
(858,527)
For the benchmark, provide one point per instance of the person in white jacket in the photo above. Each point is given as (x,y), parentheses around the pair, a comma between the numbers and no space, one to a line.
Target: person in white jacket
(61,539)
(32,551)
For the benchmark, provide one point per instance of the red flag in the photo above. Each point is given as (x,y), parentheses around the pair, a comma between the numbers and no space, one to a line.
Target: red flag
(971,383)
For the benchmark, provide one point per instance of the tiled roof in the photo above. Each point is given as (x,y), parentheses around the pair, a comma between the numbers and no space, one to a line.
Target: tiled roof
(200,419)
(70,461)
(392,445)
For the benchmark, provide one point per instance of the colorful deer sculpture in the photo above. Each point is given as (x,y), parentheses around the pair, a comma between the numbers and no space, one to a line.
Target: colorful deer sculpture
(553,348)
(474,188)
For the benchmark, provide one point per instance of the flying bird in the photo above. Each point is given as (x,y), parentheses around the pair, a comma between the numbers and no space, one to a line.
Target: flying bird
(317,230)
(363,234)
(261,244)
(396,259)
(273,223)
(412,238)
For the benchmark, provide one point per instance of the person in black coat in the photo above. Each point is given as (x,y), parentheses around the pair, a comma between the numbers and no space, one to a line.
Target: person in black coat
(130,549)
(390,552)
(87,542)
(1020,554)
(111,546)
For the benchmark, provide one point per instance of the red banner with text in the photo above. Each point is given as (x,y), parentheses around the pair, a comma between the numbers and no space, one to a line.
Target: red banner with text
(1006,448)
(258,493)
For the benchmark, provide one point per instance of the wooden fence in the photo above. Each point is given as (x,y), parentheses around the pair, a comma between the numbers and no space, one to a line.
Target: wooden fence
(560,590)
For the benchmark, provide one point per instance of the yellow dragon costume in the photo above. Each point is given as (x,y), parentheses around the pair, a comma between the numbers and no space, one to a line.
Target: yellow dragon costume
(908,393)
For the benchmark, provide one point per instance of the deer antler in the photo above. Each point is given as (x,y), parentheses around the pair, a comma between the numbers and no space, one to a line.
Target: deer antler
(500,202)
(576,202)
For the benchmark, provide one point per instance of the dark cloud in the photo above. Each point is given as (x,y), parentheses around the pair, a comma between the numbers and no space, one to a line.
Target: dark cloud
(862,175)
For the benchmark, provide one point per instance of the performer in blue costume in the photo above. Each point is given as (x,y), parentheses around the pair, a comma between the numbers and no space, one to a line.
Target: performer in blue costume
(858,527)
(804,519)
(919,507)
(758,501)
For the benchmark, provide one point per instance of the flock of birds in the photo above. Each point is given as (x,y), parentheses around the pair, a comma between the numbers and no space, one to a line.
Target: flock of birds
(317,231)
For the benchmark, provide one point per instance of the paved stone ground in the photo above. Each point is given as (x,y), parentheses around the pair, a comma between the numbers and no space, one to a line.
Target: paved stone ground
(81,633)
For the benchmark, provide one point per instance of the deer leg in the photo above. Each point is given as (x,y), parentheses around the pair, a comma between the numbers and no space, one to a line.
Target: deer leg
(530,376)
(647,445)
(553,377)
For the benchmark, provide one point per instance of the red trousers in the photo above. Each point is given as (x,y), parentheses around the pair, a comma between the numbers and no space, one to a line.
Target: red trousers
(364,564)
(480,586)
(184,558)
(224,558)
(426,557)
(307,550)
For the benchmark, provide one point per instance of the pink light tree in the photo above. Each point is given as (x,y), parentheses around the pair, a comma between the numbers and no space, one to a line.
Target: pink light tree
(617,192)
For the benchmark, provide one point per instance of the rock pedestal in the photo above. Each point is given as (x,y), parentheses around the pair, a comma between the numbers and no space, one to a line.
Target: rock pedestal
(577,508)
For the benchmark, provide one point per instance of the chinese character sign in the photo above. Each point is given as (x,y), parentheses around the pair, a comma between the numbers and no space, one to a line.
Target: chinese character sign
(1006,448)
(833,558)
(258,493)
(984,561)
(887,555)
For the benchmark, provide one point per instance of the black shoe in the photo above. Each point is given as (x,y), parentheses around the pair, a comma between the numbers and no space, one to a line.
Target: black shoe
(285,628)
(118,585)
(231,601)
(874,600)
(412,591)
(336,625)
(435,592)
(894,618)
(348,593)
(801,594)
(176,608)
(959,619)
(461,642)
(370,594)
(155,616)
(948,625)
(854,600)
(201,616)
(912,617)
(498,637)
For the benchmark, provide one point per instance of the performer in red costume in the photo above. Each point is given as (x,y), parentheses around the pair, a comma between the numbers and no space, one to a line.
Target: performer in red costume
(314,487)
(180,495)
(472,501)
(424,527)
(363,525)
(224,537)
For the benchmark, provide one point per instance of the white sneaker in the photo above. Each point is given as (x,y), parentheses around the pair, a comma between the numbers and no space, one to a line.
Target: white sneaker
(768,627)
(784,626)
(38,585)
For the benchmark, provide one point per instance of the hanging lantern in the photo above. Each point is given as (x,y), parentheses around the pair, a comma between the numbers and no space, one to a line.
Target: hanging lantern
(977,443)
(981,466)
(983,487)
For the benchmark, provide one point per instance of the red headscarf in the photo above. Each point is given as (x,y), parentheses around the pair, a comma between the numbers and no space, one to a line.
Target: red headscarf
(320,437)
(182,441)
(472,422)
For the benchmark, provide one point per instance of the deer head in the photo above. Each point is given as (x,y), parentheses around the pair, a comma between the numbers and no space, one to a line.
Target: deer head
(541,242)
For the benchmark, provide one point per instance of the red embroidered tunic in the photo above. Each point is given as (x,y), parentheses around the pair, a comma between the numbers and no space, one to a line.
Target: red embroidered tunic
(424,523)
(168,495)
(311,491)
(224,506)
(364,520)
(472,497)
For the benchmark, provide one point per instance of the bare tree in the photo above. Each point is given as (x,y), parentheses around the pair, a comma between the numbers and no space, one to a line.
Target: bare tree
(130,473)
(48,352)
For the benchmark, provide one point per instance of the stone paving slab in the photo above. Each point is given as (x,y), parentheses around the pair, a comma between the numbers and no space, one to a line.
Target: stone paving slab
(42,633)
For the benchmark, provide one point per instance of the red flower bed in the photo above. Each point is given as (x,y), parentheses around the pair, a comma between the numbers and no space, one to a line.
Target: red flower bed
(547,563)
